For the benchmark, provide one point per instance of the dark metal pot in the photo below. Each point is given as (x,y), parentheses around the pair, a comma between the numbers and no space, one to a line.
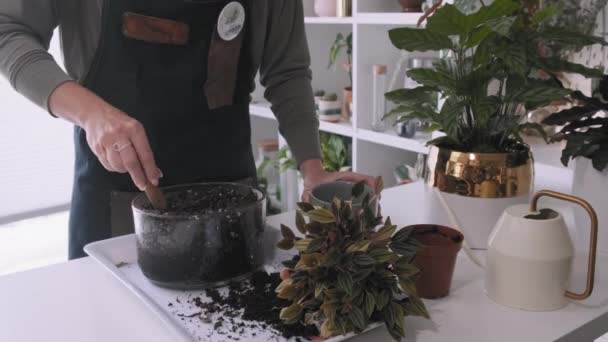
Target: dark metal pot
(199,250)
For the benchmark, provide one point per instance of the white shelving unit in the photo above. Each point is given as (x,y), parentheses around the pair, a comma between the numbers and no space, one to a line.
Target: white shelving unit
(375,153)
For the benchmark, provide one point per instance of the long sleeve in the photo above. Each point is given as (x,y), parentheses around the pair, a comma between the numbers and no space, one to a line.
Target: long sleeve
(26,28)
(285,72)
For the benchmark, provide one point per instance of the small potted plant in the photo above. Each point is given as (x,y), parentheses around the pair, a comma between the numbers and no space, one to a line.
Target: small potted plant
(493,75)
(318,94)
(344,42)
(586,134)
(349,274)
(330,108)
(335,151)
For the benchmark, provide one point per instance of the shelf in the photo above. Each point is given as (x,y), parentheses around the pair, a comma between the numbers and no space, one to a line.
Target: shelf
(390,138)
(329,20)
(405,19)
(262,110)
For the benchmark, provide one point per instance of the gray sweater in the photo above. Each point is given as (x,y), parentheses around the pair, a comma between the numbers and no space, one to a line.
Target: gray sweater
(279,53)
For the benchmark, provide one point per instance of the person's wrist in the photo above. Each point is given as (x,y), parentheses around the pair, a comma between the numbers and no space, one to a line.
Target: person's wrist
(311,168)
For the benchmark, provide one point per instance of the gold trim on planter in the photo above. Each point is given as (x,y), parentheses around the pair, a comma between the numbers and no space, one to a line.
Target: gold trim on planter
(482,175)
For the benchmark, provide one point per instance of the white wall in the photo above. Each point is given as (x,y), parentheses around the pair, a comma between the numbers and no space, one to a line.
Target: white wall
(36,155)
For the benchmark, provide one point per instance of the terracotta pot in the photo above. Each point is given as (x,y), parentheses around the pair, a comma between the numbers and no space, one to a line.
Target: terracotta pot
(326,8)
(346,105)
(437,259)
(411,5)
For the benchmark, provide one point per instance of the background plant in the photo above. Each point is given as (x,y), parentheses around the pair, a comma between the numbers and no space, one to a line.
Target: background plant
(348,274)
(494,73)
(586,127)
(335,152)
(342,42)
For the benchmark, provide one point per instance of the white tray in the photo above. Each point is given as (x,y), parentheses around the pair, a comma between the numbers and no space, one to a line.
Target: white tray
(119,256)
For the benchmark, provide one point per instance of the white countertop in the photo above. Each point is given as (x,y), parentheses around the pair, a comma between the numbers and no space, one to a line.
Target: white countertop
(79,301)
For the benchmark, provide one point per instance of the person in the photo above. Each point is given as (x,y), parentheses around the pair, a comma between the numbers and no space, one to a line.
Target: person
(161,84)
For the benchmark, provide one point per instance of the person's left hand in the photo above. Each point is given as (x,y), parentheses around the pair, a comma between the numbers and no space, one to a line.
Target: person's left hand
(313,173)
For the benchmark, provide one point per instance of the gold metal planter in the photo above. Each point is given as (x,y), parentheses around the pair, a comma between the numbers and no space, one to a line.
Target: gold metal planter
(344,8)
(481,175)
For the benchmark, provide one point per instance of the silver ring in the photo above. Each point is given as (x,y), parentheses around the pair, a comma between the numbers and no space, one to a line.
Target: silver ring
(118,147)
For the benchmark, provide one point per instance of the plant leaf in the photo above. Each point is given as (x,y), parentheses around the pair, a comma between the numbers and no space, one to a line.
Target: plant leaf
(362,259)
(359,246)
(357,318)
(403,234)
(302,245)
(384,233)
(300,222)
(448,20)
(544,14)
(381,254)
(407,248)
(315,245)
(345,282)
(321,215)
(378,185)
(501,25)
(370,304)
(411,39)
(305,207)
(416,307)
(291,314)
(285,244)
(331,258)
(287,233)
(382,298)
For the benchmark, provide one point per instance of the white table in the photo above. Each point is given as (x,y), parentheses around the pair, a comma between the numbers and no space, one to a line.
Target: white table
(79,301)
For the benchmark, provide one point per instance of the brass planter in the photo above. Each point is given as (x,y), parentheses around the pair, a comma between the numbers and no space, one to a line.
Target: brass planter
(344,8)
(481,175)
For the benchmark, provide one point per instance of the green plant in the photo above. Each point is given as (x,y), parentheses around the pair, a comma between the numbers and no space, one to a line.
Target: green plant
(493,75)
(335,153)
(585,132)
(330,97)
(319,93)
(348,274)
(342,42)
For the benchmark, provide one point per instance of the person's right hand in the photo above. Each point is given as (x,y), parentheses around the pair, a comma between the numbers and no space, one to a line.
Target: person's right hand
(119,141)
(121,145)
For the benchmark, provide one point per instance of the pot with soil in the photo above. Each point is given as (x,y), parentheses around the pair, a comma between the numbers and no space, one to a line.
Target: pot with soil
(437,259)
(210,234)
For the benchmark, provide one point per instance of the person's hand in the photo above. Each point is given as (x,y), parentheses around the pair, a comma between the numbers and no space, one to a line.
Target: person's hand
(313,173)
(119,141)
(121,145)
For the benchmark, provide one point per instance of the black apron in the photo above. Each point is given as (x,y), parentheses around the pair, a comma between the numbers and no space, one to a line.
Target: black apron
(161,86)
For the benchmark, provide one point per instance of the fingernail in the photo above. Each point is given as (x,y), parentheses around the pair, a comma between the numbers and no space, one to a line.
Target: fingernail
(154,181)
(141,188)
(160,173)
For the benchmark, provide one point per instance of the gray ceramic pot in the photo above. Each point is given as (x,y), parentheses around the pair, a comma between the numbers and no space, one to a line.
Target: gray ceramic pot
(324,194)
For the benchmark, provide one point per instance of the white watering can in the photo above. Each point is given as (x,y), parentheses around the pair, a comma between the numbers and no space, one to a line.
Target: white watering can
(530,253)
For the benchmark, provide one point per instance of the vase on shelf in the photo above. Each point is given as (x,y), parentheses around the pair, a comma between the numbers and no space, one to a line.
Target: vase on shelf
(347,103)
(344,8)
(326,8)
(411,5)
(378,99)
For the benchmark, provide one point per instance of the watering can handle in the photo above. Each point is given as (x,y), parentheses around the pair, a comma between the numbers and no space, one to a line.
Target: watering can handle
(592,243)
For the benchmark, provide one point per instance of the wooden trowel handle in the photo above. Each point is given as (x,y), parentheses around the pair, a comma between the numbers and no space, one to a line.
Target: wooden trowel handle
(156,197)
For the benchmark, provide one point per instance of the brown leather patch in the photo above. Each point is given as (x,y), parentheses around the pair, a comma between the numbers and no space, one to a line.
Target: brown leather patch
(154,30)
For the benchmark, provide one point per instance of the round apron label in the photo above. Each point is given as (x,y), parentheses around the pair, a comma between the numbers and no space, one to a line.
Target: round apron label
(231,21)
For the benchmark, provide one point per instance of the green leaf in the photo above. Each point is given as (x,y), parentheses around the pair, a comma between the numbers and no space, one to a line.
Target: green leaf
(556,65)
(331,258)
(448,20)
(389,315)
(345,282)
(384,233)
(497,9)
(539,94)
(287,233)
(315,228)
(362,259)
(305,207)
(300,222)
(382,298)
(315,245)
(406,270)
(285,244)
(403,234)
(514,58)
(566,36)
(430,78)
(408,286)
(484,52)
(411,39)
(302,245)
(291,314)
(543,15)
(357,318)
(370,303)
(359,246)
(416,307)
(362,273)
(502,25)
(378,185)
(321,215)
(381,254)
(415,95)
(406,248)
